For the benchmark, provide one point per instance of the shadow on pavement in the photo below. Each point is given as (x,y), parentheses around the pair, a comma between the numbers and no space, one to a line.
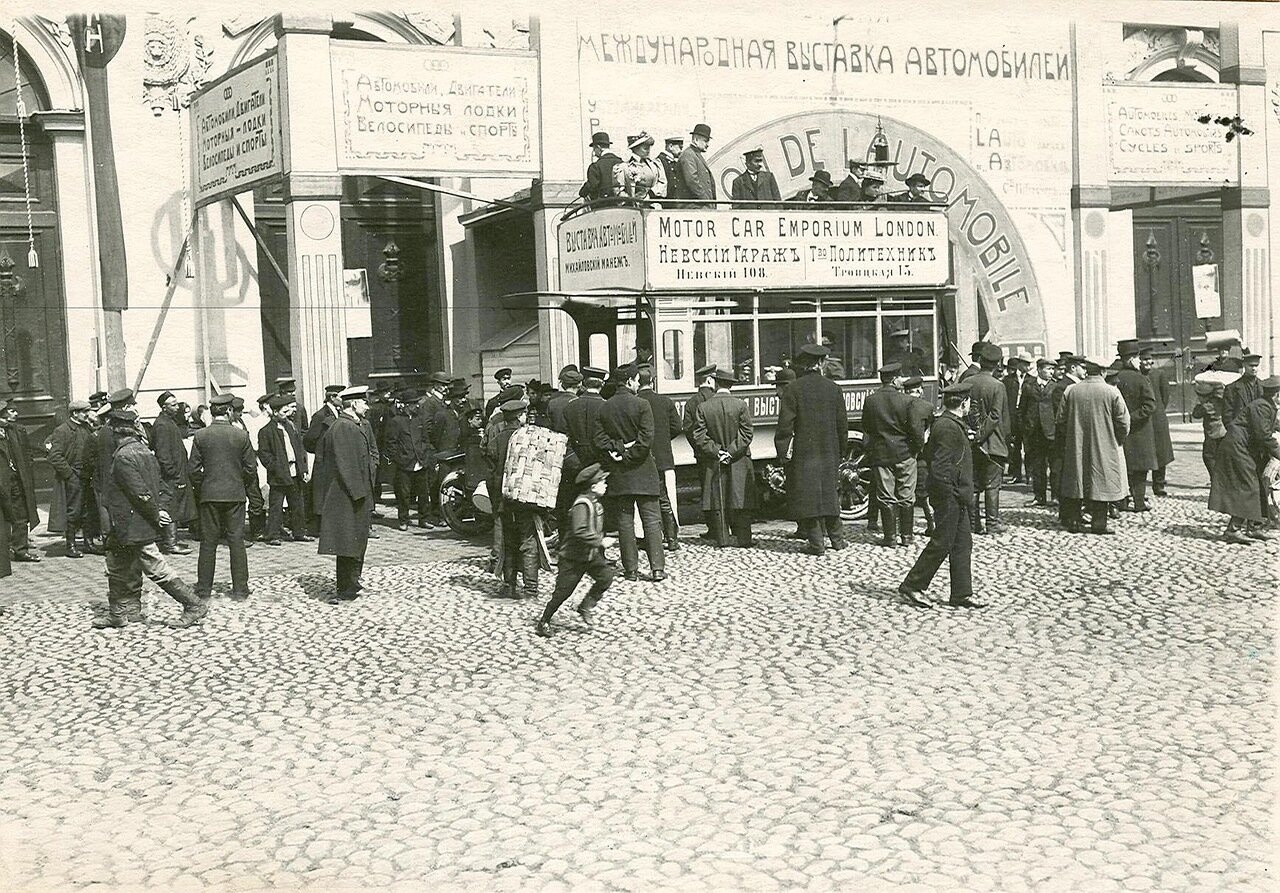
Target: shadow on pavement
(1195,533)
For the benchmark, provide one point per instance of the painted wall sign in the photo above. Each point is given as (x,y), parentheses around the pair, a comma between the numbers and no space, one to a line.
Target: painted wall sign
(235,127)
(602,249)
(434,110)
(1153,136)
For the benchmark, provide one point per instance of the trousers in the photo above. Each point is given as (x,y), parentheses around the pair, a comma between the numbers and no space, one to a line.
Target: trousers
(410,488)
(895,484)
(19,529)
(988,475)
(127,565)
(520,542)
(1073,511)
(820,529)
(952,541)
(570,572)
(621,508)
(1036,463)
(276,515)
(219,521)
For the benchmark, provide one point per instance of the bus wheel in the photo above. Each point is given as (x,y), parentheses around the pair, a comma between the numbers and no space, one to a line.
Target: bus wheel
(855,481)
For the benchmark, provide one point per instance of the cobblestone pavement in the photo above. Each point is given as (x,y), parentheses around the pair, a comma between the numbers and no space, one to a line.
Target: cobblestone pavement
(762,720)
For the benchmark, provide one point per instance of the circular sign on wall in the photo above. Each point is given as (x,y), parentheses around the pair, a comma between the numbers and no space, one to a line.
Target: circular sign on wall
(316,222)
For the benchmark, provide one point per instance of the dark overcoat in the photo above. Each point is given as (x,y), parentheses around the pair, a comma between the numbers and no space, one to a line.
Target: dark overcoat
(557,403)
(724,423)
(625,426)
(813,430)
(892,432)
(18,452)
(70,455)
(401,444)
(1013,401)
(1035,408)
(666,427)
(1235,486)
(222,461)
(1140,445)
(344,519)
(272,455)
(1240,393)
(317,427)
(745,190)
(989,415)
(950,460)
(132,494)
(580,418)
(1159,379)
(171,452)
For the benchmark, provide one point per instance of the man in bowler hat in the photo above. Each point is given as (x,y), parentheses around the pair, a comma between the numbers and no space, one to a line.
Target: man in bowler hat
(694,174)
(600,179)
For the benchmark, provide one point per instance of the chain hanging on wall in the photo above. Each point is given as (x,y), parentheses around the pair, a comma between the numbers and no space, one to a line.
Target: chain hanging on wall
(33,259)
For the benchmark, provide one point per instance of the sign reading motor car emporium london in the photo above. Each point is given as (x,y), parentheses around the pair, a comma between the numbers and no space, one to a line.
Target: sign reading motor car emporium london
(419,110)
(717,249)
(235,129)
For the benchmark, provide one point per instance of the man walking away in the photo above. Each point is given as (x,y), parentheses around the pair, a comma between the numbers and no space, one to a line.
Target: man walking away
(893,440)
(950,461)
(581,550)
(136,521)
(722,437)
(1092,426)
(222,460)
(167,438)
(667,426)
(989,417)
(1140,445)
(345,518)
(69,455)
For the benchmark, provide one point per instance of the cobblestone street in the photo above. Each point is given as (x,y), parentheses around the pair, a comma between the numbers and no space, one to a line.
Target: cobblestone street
(761,720)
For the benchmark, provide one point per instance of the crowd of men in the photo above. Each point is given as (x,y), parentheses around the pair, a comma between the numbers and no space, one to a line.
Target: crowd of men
(1088,437)
(681,173)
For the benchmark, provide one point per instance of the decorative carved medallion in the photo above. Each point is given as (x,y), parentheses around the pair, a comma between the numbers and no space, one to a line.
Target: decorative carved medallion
(1147,51)
(176,63)
(389,270)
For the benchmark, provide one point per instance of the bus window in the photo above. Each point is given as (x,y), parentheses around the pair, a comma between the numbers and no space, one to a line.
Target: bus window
(727,344)
(852,340)
(626,345)
(781,339)
(598,351)
(909,341)
(672,355)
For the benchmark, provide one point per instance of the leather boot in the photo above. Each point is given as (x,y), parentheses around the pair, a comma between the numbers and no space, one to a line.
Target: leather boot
(906,523)
(72,551)
(194,608)
(117,609)
(133,608)
(887,521)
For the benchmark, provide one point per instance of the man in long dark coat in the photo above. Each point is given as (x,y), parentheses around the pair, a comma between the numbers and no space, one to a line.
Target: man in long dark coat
(755,184)
(1236,488)
(893,439)
(1013,380)
(345,520)
(950,463)
(283,455)
(1092,425)
(175,483)
(811,439)
(989,418)
(704,378)
(222,462)
(624,437)
(693,176)
(1070,369)
(667,426)
(1159,379)
(558,401)
(69,457)
(722,432)
(313,439)
(1140,445)
(1035,413)
(409,456)
(16,452)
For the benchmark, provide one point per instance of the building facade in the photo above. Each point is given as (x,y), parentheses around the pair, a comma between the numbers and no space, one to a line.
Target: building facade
(1085,198)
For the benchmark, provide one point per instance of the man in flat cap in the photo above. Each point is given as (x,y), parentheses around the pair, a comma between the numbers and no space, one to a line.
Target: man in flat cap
(1070,371)
(666,428)
(136,519)
(755,184)
(580,422)
(894,436)
(558,400)
(1036,420)
(704,378)
(287,386)
(168,438)
(1161,388)
(430,420)
(503,378)
(669,158)
(811,439)
(104,447)
(623,436)
(641,177)
(1140,444)
(1247,387)
(1015,376)
(20,495)
(1092,424)
(345,517)
(282,454)
(409,456)
(696,183)
(600,181)
(722,432)
(69,448)
(517,544)
(989,418)
(950,487)
(222,462)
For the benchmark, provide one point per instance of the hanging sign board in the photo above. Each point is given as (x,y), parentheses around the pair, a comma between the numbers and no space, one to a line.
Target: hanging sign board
(1204,281)
(355,287)
(1153,136)
(235,131)
(425,110)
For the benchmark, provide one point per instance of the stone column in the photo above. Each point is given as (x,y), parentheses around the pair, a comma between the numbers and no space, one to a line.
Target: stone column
(1090,192)
(313,190)
(1246,218)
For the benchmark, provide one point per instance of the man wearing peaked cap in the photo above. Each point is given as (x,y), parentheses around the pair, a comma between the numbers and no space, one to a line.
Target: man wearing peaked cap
(580,416)
(282,455)
(69,447)
(515,524)
(1161,388)
(669,158)
(581,549)
(168,442)
(1240,393)
(704,380)
(1140,444)
(104,447)
(350,454)
(557,401)
(666,428)
(1037,423)
(989,418)
(694,180)
(755,184)
(1013,381)
(97,398)
(17,486)
(408,457)
(722,435)
(894,436)
(600,181)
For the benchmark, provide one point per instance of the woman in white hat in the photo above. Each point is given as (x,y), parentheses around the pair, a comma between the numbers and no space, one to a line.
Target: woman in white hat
(641,177)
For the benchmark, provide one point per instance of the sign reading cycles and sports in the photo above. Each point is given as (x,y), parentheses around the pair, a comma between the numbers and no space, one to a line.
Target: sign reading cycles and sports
(722,248)
(235,124)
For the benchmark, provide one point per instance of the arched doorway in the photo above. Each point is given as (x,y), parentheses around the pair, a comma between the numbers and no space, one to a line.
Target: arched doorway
(33,329)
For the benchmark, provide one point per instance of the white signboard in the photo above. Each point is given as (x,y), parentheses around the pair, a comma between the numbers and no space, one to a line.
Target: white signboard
(1204,281)
(428,110)
(235,124)
(1153,136)
(717,249)
(355,287)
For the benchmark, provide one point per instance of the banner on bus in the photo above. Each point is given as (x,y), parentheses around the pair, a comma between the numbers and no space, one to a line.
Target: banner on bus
(718,249)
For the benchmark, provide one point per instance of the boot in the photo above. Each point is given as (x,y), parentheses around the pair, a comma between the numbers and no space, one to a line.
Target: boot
(72,551)
(906,521)
(873,516)
(887,522)
(115,616)
(133,608)
(194,608)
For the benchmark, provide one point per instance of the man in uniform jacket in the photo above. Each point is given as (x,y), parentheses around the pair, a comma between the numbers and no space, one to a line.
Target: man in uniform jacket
(1035,420)
(257,513)
(624,437)
(893,439)
(175,485)
(1013,381)
(580,421)
(669,158)
(104,447)
(1092,424)
(666,428)
(950,461)
(380,410)
(68,455)
(693,175)
(15,451)
(811,440)
(429,419)
(722,431)
(1069,369)
(1245,389)
(137,519)
(989,417)
(409,456)
(1140,445)
(755,184)
(704,378)
(222,461)
(345,516)
(921,413)
(558,401)
(1159,419)
(287,386)
(600,182)
(282,454)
